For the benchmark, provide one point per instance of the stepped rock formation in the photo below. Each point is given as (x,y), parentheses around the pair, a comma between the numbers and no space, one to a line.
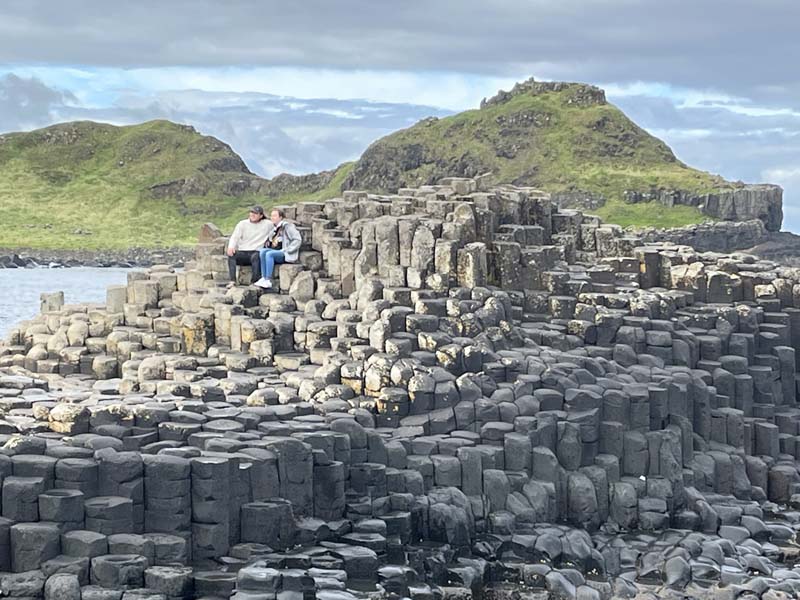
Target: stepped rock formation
(457,390)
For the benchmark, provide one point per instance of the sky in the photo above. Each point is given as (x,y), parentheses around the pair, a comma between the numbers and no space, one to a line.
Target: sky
(300,87)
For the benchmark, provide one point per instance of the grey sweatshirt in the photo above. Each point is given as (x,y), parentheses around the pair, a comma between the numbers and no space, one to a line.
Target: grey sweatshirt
(291,241)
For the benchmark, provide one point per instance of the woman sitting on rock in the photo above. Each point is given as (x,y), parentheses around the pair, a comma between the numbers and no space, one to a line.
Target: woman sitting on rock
(283,245)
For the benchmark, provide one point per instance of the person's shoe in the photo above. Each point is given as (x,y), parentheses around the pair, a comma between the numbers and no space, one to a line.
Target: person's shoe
(231,285)
(263,283)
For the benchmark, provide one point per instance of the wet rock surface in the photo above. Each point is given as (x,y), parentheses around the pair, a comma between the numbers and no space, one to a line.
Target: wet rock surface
(454,393)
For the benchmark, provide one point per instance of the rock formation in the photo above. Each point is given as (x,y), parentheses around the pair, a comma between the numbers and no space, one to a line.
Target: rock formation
(456,391)
(763,202)
(713,236)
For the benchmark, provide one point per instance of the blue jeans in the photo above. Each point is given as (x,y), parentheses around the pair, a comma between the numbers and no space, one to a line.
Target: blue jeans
(269,258)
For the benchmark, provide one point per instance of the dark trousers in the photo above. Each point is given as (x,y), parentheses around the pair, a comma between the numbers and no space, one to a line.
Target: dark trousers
(243,258)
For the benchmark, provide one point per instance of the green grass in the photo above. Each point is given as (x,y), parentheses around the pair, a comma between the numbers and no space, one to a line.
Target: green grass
(649,214)
(86,185)
(39,215)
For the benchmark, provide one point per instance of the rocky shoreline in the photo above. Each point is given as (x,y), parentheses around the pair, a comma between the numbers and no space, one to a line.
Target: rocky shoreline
(20,258)
(724,236)
(451,395)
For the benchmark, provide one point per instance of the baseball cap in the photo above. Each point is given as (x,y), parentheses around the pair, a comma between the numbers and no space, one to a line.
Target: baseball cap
(257,209)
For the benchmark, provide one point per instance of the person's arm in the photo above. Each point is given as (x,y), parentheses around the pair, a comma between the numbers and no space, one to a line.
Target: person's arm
(270,232)
(233,241)
(294,239)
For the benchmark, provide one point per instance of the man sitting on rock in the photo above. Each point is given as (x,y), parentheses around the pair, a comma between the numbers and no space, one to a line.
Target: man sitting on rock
(283,245)
(247,239)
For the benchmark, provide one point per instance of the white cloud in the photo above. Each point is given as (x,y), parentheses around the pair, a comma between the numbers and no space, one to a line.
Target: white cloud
(738,47)
(761,111)
(682,134)
(789,178)
(684,97)
(783,175)
(451,91)
(343,114)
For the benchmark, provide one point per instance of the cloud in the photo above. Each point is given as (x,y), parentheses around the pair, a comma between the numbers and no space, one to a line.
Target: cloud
(745,49)
(787,176)
(274,134)
(452,91)
(27,103)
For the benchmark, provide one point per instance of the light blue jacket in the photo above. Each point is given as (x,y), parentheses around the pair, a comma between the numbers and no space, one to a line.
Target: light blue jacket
(292,240)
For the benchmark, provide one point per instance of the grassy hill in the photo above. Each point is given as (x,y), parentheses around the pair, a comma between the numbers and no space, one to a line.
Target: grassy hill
(91,185)
(559,137)
(96,186)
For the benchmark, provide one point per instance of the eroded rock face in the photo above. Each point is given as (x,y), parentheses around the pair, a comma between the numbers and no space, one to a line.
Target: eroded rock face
(455,390)
(583,95)
(718,236)
(763,202)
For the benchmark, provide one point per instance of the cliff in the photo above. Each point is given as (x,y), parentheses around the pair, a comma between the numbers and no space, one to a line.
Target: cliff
(758,201)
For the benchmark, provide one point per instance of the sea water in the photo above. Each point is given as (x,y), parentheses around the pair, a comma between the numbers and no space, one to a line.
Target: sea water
(20,289)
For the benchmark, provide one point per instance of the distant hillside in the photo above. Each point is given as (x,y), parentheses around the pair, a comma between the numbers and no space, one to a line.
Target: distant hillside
(563,138)
(97,186)
(93,185)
